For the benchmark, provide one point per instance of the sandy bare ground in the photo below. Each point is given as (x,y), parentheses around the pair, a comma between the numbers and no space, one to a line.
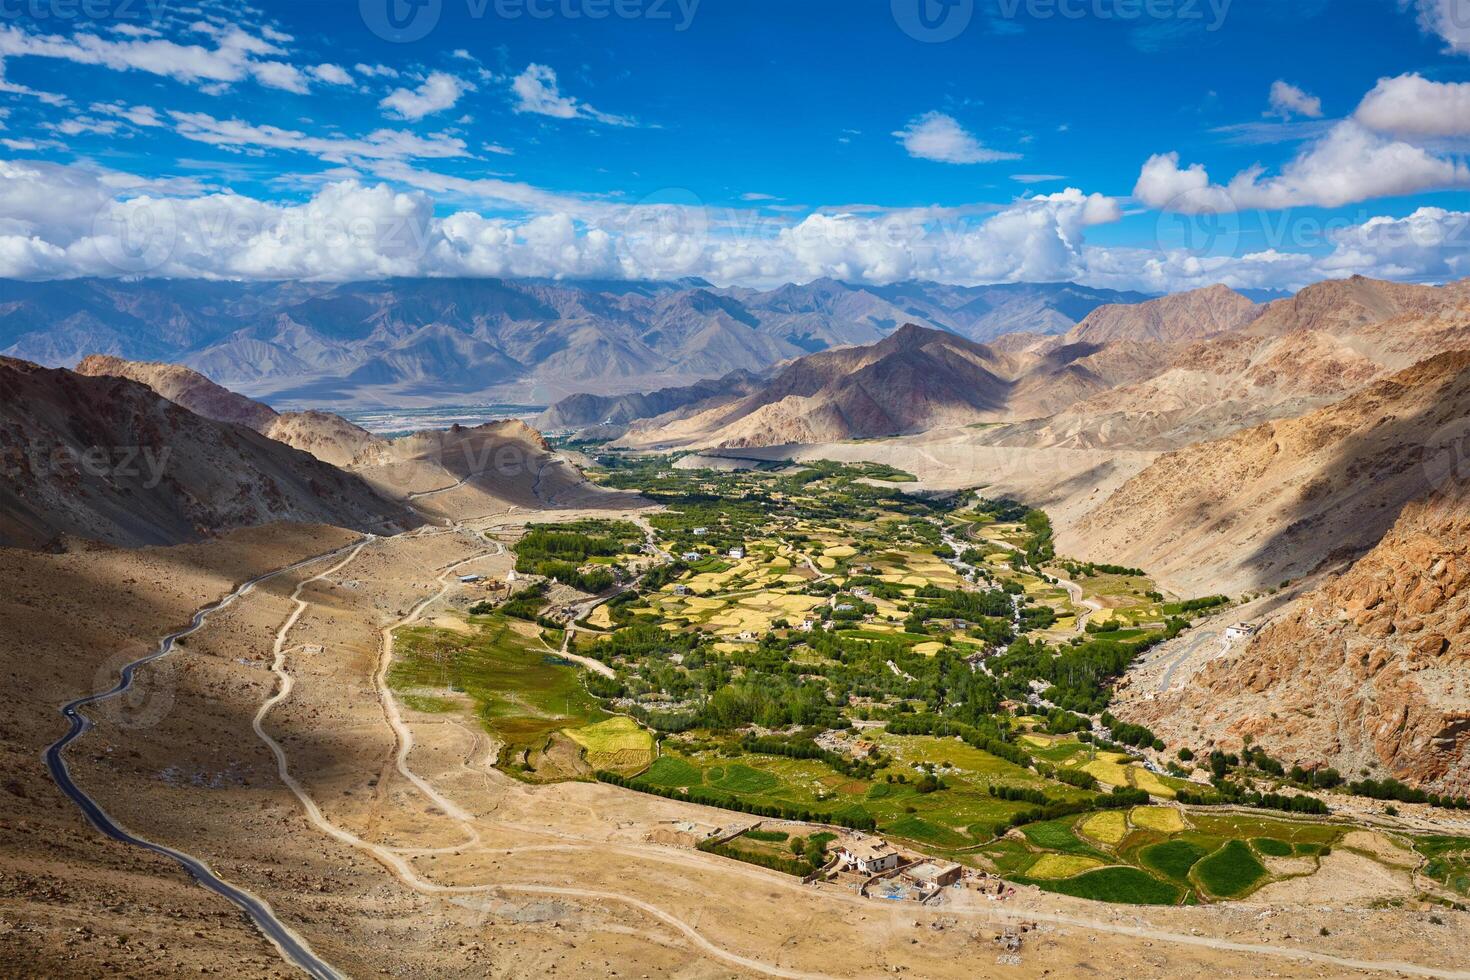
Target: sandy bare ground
(393,845)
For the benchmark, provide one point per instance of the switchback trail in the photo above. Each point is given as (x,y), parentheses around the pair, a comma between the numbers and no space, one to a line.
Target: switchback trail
(293,947)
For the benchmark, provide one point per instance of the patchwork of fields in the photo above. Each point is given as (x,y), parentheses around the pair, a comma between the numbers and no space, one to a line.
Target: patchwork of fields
(824,650)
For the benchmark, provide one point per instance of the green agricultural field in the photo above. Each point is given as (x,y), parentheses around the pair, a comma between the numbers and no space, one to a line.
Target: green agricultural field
(672,771)
(918,829)
(1448,861)
(1057,835)
(962,815)
(1172,859)
(741,780)
(427,703)
(522,694)
(1127,886)
(1247,827)
(1230,872)
(1271,847)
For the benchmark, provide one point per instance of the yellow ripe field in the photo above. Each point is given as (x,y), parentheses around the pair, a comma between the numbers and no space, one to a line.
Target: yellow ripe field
(1107,827)
(1055,866)
(1165,819)
(618,743)
(928,649)
(1108,770)
(1150,783)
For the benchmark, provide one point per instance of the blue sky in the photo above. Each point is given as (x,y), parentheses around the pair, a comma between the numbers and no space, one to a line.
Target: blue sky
(1155,144)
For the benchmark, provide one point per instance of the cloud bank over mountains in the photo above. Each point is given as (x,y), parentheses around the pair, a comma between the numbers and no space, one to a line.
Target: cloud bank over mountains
(412,192)
(62,221)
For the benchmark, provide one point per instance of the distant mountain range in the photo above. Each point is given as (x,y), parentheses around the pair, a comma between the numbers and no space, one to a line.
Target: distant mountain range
(419,342)
(920,378)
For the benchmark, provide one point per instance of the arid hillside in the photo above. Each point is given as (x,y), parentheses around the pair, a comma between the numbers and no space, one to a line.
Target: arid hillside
(330,438)
(1299,354)
(1281,499)
(1370,671)
(1178,318)
(464,472)
(915,380)
(108,459)
(581,411)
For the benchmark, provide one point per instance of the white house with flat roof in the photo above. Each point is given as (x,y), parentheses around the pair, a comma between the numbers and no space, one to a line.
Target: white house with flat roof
(1241,631)
(869,857)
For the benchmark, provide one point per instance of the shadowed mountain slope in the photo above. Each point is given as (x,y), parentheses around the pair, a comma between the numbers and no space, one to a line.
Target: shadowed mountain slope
(108,459)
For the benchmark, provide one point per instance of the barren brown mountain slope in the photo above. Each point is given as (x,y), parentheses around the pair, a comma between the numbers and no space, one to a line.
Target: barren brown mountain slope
(1343,306)
(466,469)
(581,411)
(1302,353)
(464,472)
(915,380)
(185,387)
(73,902)
(1278,500)
(330,438)
(108,459)
(1173,319)
(1371,671)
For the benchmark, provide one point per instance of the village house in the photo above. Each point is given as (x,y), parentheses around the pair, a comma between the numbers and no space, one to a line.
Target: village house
(737,553)
(869,857)
(1241,631)
(931,875)
(681,590)
(700,532)
(471,579)
(692,556)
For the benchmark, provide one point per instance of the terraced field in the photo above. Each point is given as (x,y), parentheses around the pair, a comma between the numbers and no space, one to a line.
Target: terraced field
(534,704)
(1161,855)
(962,814)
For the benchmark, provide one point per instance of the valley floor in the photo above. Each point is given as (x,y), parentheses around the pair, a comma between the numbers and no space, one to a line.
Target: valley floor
(395,846)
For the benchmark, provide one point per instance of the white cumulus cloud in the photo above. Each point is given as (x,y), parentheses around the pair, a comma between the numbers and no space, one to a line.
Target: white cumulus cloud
(1411,106)
(537,91)
(1287,100)
(1448,19)
(438,92)
(939,137)
(1349,164)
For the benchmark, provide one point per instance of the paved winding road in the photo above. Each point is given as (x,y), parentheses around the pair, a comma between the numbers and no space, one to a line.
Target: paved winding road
(293,947)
